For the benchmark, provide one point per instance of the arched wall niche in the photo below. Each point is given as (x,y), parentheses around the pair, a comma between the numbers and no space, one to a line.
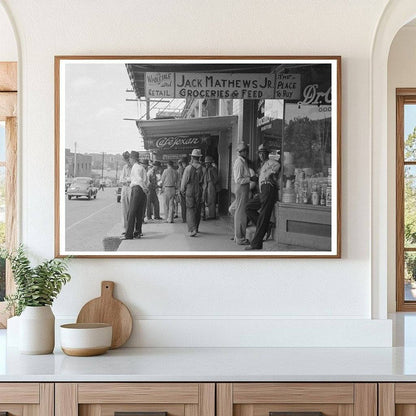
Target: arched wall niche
(396,15)
(401,73)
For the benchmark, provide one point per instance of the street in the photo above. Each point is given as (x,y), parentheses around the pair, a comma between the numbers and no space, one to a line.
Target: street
(87,223)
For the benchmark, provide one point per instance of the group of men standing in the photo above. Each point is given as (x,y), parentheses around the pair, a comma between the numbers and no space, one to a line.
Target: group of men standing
(259,208)
(193,184)
(196,186)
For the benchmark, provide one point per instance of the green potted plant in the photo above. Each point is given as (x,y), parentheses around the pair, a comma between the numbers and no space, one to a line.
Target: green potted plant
(36,289)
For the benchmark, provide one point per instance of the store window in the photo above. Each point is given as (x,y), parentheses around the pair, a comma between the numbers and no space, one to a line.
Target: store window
(307,155)
(270,125)
(406,200)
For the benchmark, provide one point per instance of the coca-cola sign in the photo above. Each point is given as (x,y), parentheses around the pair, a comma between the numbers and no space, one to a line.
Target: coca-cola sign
(176,142)
(311,96)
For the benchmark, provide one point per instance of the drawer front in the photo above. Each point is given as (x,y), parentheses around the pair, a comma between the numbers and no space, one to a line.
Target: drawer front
(139,409)
(138,393)
(296,399)
(19,393)
(23,399)
(145,399)
(397,399)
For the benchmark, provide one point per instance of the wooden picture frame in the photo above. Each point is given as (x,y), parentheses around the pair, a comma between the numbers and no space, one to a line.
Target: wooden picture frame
(166,107)
(404,96)
(8,162)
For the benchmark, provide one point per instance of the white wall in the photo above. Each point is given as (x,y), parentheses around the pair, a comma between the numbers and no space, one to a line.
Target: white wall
(401,74)
(8,47)
(179,302)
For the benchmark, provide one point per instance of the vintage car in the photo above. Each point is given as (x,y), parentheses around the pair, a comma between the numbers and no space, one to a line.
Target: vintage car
(68,182)
(82,186)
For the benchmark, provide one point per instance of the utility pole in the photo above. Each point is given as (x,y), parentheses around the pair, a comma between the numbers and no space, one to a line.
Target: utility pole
(147,109)
(75,159)
(102,168)
(116,171)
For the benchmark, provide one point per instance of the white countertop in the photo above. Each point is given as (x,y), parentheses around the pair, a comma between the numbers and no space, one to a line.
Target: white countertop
(213,364)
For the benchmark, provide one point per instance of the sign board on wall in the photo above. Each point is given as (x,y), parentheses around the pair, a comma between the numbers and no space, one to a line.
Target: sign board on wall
(221,85)
(288,86)
(175,142)
(159,84)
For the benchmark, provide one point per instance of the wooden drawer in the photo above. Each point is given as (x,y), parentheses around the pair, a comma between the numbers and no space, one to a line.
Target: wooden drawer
(104,399)
(397,399)
(332,399)
(27,399)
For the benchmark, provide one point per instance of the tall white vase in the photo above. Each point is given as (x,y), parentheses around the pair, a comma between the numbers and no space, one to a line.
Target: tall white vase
(37,330)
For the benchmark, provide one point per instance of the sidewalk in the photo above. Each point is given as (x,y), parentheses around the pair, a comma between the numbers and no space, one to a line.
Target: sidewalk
(215,235)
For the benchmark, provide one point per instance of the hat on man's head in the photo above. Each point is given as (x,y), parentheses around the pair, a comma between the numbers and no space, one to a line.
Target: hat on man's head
(156,163)
(241,146)
(126,154)
(263,148)
(170,162)
(209,159)
(196,153)
(134,155)
(145,162)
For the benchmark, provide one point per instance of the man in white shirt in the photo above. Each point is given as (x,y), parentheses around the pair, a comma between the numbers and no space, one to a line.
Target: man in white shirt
(125,189)
(241,173)
(169,186)
(268,181)
(139,188)
(152,198)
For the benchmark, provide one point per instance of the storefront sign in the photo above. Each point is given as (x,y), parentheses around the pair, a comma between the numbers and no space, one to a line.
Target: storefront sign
(288,86)
(311,96)
(235,86)
(175,142)
(159,84)
(210,86)
(264,120)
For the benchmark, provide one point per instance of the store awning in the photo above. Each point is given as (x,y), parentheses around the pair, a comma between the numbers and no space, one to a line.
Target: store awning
(186,126)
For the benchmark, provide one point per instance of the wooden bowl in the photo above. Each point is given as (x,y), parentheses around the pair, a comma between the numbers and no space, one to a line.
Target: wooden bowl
(84,340)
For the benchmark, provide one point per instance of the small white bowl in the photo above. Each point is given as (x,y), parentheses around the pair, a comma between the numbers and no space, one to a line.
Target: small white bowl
(84,340)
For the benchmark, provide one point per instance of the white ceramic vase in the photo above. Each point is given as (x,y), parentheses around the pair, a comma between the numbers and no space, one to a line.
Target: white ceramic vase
(37,330)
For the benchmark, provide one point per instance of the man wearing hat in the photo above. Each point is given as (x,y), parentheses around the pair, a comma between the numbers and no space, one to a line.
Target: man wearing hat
(139,187)
(145,164)
(183,163)
(125,190)
(210,187)
(152,198)
(241,173)
(191,188)
(261,212)
(169,185)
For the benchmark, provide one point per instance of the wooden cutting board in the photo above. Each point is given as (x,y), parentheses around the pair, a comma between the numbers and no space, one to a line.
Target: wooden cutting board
(107,309)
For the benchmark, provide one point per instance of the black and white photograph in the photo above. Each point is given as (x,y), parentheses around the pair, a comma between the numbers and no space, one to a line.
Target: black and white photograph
(197,156)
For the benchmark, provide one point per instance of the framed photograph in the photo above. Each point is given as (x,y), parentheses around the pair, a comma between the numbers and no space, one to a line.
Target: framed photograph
(196,156)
